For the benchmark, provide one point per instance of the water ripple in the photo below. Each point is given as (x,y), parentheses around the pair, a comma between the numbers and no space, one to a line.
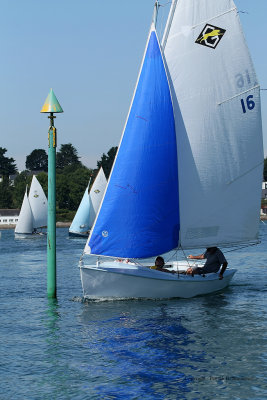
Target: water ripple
(72,348)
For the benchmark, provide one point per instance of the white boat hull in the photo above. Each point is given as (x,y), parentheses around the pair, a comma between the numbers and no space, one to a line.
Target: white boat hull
(119,281)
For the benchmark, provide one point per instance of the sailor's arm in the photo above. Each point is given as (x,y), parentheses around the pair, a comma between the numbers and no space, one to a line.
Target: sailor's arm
(200,257)
(165,270)
(224,266)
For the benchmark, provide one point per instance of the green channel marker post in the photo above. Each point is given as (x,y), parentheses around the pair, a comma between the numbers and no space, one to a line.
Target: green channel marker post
(51,106)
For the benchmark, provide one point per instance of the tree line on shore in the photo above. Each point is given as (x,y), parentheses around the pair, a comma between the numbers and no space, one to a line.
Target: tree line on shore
(72,177)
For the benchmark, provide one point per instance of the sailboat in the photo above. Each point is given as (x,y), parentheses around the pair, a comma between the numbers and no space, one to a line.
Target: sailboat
(188,170)
(33,213)
(86,213)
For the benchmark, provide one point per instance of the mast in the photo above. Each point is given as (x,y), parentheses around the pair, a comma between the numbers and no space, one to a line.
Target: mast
(168,23)
(155,13)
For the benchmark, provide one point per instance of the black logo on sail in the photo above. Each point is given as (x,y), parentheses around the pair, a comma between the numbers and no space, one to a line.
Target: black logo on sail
(210,36)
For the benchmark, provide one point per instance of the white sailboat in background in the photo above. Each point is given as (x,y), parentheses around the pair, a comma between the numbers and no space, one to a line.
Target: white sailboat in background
(193,136)
(88,208)
(25,221)
(33,213)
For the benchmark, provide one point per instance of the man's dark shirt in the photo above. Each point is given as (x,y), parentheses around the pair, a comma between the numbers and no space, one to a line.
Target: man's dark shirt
(214,261)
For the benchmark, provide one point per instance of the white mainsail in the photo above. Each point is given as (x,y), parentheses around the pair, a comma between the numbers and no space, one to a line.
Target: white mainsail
(216,98)
(24,224)
(33,213)
(38,203)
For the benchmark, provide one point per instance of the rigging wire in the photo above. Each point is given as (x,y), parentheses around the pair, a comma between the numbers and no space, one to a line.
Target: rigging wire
(175,254)
(161,25)
(165,4)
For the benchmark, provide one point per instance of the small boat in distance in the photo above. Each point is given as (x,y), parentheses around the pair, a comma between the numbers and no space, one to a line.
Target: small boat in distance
(88,208)
(33,213)
(190,151)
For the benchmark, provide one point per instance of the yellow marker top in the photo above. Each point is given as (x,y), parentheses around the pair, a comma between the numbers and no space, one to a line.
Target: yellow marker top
(51,104)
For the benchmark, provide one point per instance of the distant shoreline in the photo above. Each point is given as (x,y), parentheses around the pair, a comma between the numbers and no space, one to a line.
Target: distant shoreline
(59,225)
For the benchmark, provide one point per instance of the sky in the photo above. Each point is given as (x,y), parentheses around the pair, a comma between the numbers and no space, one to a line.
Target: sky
(89,52)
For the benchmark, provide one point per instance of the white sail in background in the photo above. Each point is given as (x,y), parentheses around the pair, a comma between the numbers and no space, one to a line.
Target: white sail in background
(80,223)
(25,221)
(38,203)
(96,195)
(33,213)
(88,208)
(216,98)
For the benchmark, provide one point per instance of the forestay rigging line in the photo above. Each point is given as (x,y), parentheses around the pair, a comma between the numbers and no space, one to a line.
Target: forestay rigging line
(239,94)
(217,16)
(161,29)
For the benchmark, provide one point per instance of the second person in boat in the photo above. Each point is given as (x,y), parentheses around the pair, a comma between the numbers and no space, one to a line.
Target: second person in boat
(159,265)
(215,258)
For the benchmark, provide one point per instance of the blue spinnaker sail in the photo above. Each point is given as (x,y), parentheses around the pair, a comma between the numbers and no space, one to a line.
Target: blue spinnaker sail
(139,216)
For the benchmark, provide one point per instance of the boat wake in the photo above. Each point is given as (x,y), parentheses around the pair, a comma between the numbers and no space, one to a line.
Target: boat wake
(86,300)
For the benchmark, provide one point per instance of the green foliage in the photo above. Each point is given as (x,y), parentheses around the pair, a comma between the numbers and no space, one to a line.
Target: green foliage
(265,170)
(71,184)
(66,156)
(64,215)
(6,193)
(106,161)
(7,165)
(62,192)
(21,181)
(37,160)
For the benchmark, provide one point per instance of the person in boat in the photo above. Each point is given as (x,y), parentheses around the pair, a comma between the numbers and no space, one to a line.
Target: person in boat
(159,265)
(215,258)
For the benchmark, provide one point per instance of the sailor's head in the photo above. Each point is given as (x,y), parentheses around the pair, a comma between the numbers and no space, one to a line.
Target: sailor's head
(159,262)
(211,249)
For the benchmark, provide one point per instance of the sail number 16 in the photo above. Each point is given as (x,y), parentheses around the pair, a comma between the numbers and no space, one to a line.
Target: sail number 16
(250,104)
